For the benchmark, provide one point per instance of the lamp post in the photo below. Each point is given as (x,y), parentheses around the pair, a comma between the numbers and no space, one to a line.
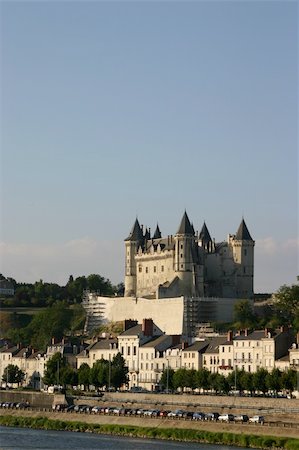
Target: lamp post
(109,373)
(167,377)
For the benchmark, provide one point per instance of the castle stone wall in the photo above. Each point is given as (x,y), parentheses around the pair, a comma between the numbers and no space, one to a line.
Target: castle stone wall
(167,313)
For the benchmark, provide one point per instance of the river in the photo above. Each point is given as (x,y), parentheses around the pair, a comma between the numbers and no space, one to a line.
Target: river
(26,438)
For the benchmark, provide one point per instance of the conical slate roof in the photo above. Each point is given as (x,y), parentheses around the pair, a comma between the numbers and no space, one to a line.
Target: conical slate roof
(136,233)
(147,234)
(243,233)
(157,233)
(185,226)
(204,235)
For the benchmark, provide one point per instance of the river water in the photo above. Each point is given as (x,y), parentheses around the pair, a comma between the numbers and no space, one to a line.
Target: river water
(25,438)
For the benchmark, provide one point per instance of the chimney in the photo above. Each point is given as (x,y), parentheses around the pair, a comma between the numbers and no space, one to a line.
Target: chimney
(148,327)
(184,345)
(246,331)
(283,329)
(229,335)
(53,340)
(267,332)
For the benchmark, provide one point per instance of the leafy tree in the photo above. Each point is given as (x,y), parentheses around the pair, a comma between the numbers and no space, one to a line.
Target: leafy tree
(54,369)
(84,375)
(247,382)
(180,378)
(203,379)
(290,380)
(12,374)
(166,381)
(259,380)
(243,314)
(273,380)
(69,376)
(191,379)
(118,371)
(287,305)
(99,373)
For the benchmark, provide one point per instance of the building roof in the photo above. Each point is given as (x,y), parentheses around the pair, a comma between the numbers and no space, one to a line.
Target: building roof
(156,342)
(104,344)
(136,232)
(157,233)
(214,343)
(133,331)
(198,346)
(204,234)
(185,226)
(243,233)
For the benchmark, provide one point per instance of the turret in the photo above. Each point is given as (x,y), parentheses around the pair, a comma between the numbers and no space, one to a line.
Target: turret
(205,240)
(243,254)
(132,243)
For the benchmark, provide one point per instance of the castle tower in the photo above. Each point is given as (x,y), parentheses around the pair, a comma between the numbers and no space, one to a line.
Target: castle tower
(183,261)
(205,240)
(132,243)
(243,254)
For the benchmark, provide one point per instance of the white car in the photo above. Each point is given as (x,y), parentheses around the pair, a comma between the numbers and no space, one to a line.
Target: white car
(257,419)
(226,418)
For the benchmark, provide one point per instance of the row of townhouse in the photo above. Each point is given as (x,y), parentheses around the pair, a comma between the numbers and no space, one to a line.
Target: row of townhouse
(147,352)
(33,362)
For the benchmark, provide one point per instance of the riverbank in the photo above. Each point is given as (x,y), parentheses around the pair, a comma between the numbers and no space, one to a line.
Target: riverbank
(242,435)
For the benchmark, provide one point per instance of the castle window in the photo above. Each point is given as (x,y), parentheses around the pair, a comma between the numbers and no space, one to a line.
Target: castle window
(162,268)
(245,251)
(244,269)
(129,350)
(182,266)
(134,350)
(181,255)
(155,269)
(182,246)
(146,270)
(140,269)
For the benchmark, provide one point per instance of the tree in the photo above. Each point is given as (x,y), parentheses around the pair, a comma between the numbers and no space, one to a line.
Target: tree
(203,379)
(290,380)
(273,380)
(243,314)
(166,381)
(259,380)
(54,369)
(84,375)
(286,304)
(180,378)
(118,371)
(12,374)
(99,373)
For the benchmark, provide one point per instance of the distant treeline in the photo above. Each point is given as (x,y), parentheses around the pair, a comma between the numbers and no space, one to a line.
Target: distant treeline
(41,294)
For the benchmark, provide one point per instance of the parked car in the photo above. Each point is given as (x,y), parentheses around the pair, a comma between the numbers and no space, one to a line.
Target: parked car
(257,419)
(226,417)
(212,416)
(188,414)
(59,407)
(176,413)
(199,416)
(241,418)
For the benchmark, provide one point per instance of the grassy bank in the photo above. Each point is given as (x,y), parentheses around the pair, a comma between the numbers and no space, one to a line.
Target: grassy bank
(208,437)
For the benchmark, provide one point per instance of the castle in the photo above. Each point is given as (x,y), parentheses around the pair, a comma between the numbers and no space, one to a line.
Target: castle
(188,263)
(179,281)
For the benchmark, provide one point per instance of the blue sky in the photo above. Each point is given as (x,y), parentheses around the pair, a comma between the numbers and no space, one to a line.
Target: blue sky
(117,109)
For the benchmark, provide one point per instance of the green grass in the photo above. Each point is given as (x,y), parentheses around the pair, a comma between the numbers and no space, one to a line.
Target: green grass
(176,434)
